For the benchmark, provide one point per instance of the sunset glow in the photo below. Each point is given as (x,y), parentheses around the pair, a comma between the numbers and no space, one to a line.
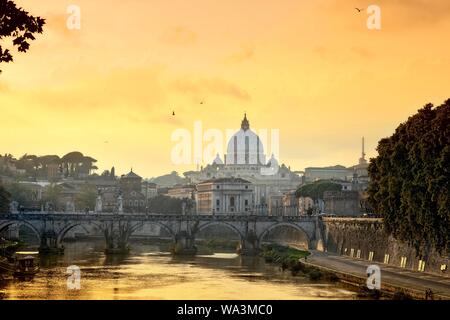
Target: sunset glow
(309,68)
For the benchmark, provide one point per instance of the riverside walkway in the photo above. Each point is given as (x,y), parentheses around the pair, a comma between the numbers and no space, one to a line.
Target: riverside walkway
(392,278)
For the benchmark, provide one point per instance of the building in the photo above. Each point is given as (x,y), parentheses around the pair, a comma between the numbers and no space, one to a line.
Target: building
(305,205)
(275,205)
(245,159)
(130,182)
(361,169)
(134,201)
(54,172)
(337,172)
(342,203)
(149,190)
(341,173)
(290,204)
(182,192)
(225,196)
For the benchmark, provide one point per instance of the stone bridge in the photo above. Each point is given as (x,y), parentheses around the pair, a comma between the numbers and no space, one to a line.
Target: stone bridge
(52,227)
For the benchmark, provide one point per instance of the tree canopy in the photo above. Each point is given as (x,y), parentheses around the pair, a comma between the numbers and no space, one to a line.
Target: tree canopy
(410,180)
(165,204)
(18,24)
(315,190)
(5,198)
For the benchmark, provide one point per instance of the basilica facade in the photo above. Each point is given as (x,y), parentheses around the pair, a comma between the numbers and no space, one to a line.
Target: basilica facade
(245,159)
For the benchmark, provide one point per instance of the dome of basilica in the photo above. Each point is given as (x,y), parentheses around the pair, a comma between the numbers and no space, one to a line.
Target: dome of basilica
(245,147)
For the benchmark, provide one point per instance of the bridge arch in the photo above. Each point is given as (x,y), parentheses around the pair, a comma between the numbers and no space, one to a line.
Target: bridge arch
(138,225)
(230,226)
(62,233)
(6,224)
(288,225)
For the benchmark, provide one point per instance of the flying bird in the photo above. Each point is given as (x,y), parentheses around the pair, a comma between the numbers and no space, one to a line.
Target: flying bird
(359,10)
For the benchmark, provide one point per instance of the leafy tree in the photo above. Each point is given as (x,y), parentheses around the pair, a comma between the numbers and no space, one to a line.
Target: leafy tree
(165,204)
(86,198)
(315,190)
(75,163)
(410,180)
(18,24)
(52,195)
(5,198)
(105,174)
(20,193)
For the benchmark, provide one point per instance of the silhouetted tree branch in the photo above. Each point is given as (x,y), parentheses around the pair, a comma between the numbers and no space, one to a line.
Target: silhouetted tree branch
(18,24)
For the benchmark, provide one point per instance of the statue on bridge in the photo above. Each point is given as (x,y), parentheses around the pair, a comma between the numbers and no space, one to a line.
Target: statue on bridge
(98,203)
(120,203)
(13,207)
(70,206)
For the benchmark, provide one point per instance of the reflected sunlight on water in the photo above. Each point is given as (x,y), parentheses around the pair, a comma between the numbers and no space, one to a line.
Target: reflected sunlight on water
(148,273)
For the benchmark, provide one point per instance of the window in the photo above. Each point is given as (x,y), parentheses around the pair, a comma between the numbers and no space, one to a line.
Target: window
(246,187)
(246,202)
(217,202)
(371,256)
(217,187)
(386,258)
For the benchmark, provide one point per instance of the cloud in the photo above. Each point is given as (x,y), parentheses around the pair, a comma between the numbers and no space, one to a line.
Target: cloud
(421,11)
(56,23)
(4,88)
(179,35)
(244,54)
(362,52)
(202,87)
(123,91)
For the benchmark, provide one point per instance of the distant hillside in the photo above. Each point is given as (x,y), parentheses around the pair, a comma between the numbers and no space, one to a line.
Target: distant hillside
(169,180)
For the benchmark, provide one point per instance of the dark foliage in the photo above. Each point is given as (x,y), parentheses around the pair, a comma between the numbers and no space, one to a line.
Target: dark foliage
(315,190)
(410,180)
(18,24)
(165,204)
(5,198)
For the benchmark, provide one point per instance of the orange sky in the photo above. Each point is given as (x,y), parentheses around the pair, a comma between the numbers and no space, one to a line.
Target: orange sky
(309,68)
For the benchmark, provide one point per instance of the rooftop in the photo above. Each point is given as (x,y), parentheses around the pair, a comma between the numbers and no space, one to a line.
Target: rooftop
(226,180)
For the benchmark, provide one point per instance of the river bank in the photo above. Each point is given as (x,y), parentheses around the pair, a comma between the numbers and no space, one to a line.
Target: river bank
(396,283)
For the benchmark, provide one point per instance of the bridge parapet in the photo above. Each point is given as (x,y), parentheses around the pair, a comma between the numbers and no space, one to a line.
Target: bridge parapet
(183,228)
(149,217)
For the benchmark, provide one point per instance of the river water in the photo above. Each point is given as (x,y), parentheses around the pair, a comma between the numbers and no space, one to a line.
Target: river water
(149,272)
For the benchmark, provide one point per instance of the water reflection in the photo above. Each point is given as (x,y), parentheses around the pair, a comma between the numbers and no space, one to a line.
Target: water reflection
(150,272)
